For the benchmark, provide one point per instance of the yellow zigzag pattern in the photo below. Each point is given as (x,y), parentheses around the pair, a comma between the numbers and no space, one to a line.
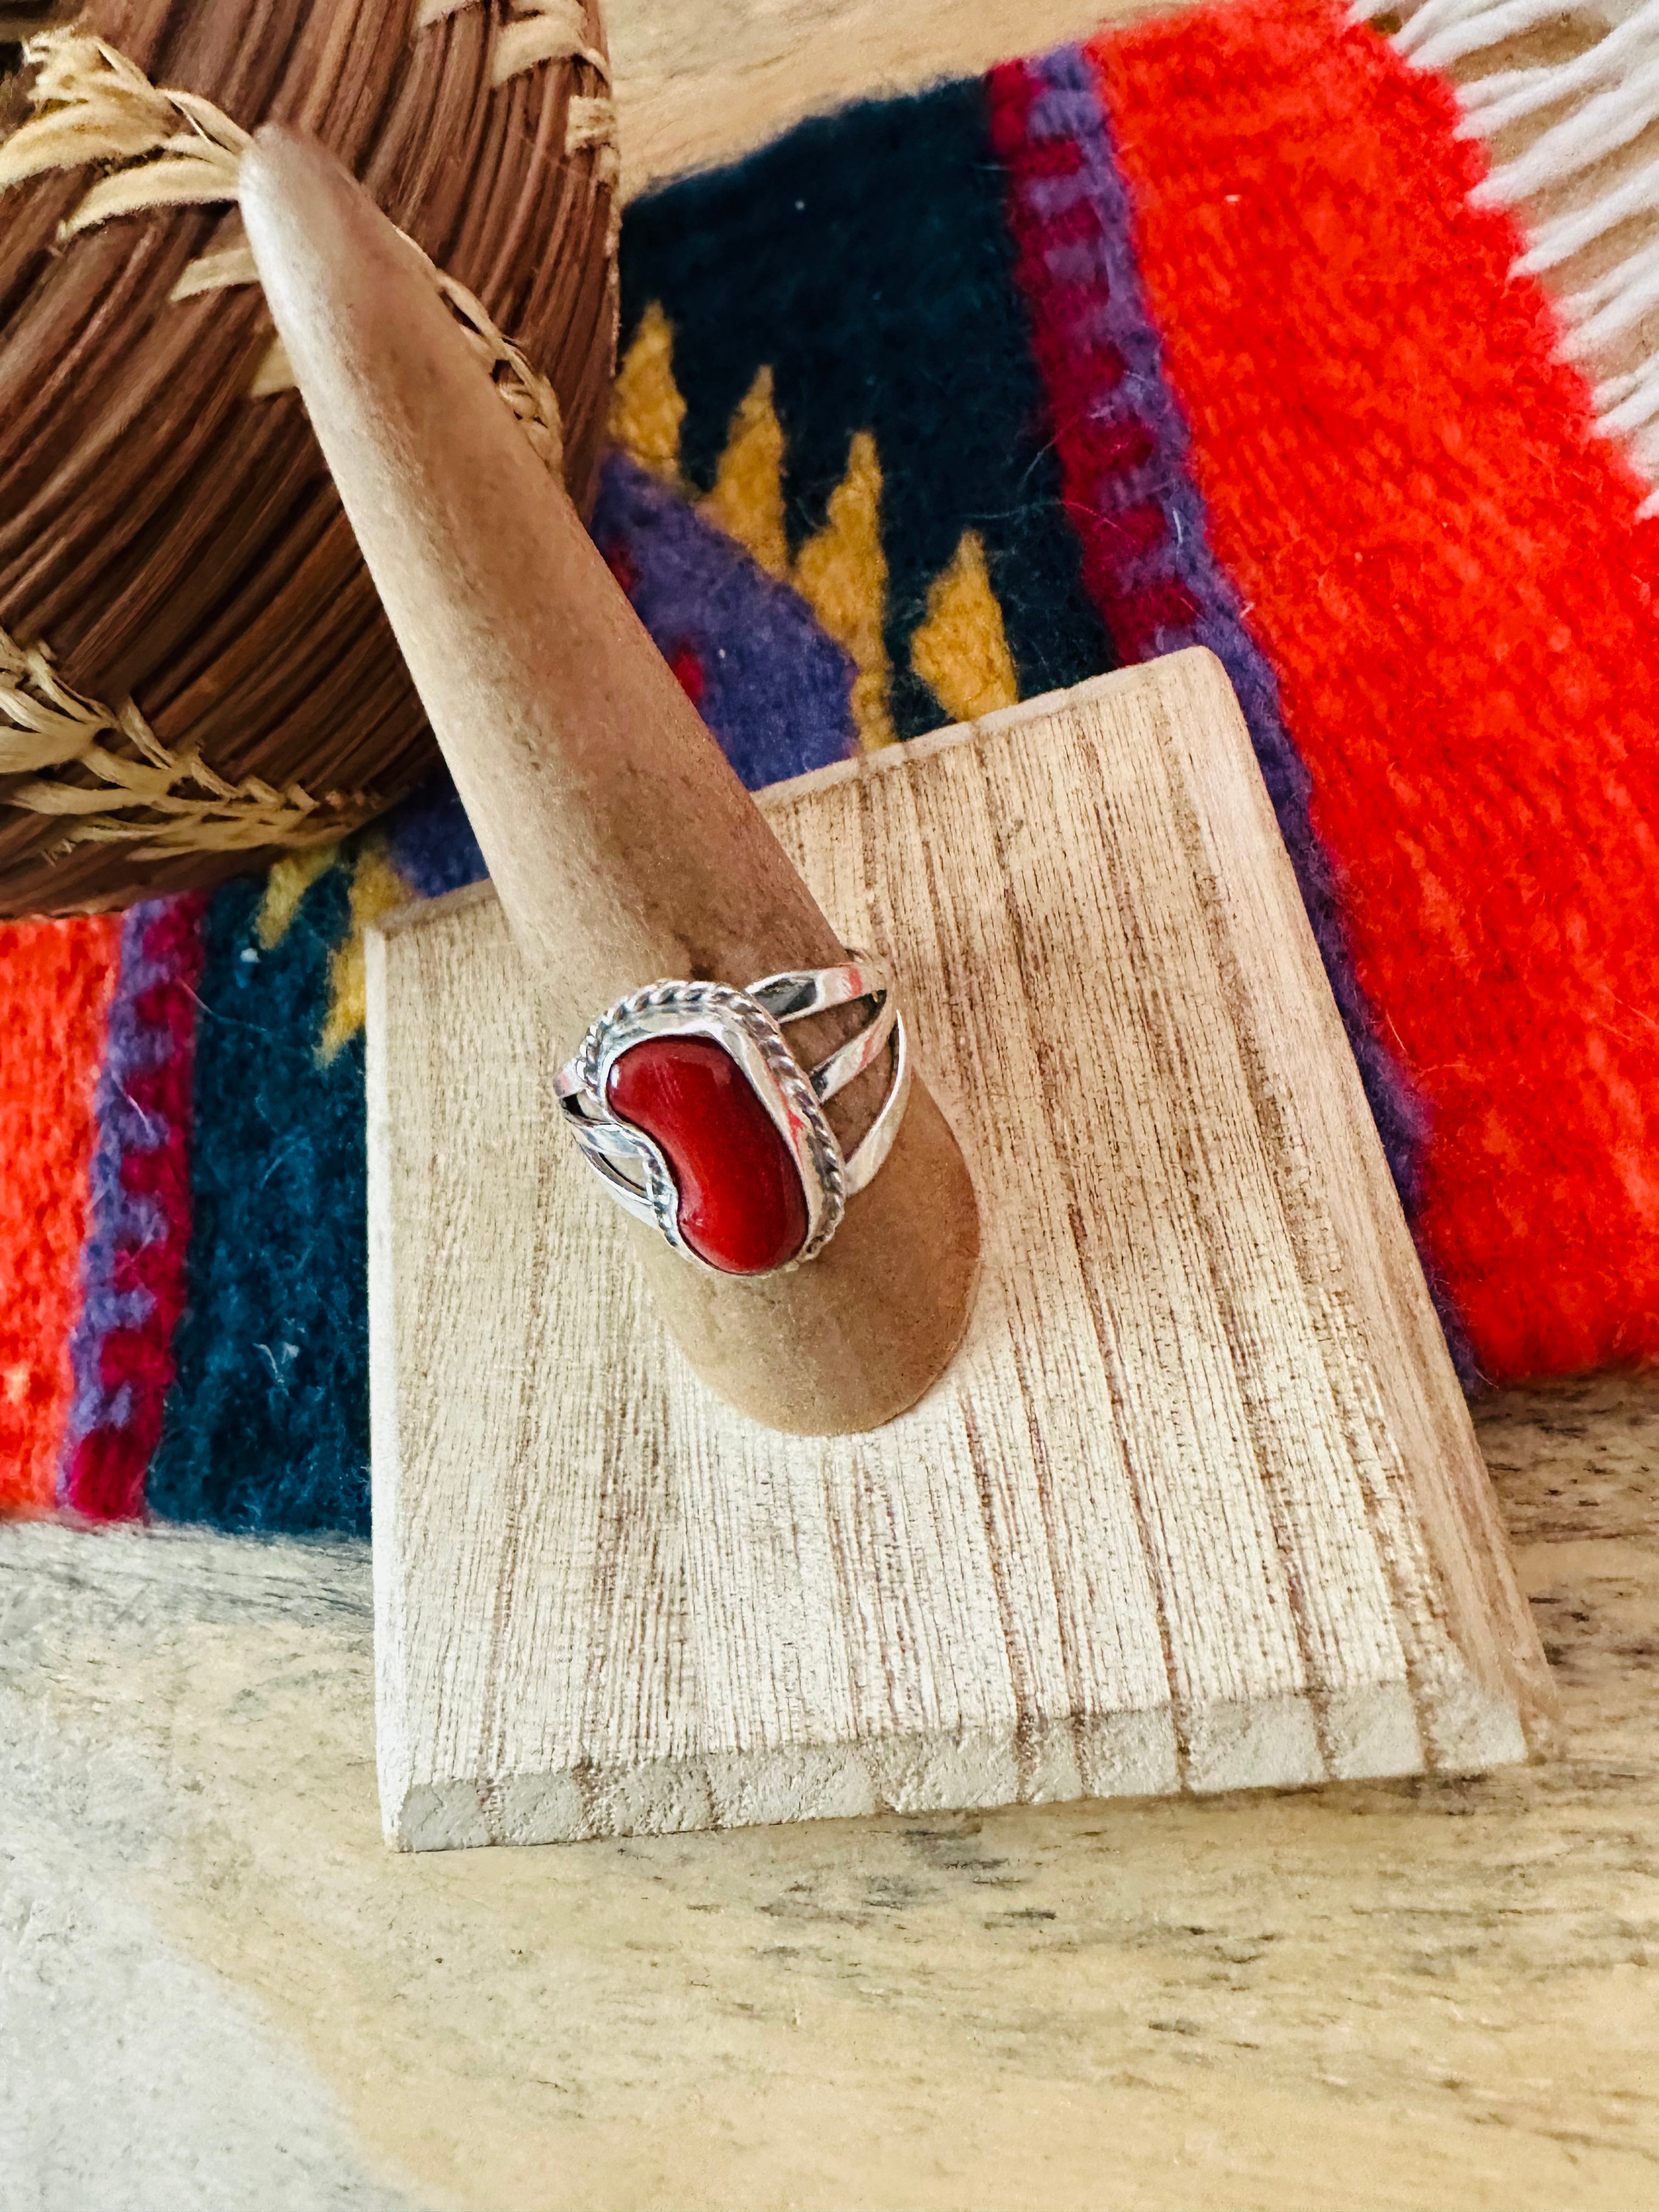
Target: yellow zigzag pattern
(841,573)
(376,887)
(747,501)
(290,879)
(646,406)
(960,650)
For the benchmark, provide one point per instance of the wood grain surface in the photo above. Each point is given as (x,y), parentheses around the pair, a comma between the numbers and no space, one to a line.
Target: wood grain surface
(703,82)
(1398,1997)
(1198,1504)
(1403,1996)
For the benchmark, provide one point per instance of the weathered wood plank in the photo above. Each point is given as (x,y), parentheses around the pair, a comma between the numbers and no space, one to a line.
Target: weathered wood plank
(1198,1505)
(1400,1995)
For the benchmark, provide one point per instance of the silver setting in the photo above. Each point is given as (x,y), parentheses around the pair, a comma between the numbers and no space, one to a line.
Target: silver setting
(748,1026)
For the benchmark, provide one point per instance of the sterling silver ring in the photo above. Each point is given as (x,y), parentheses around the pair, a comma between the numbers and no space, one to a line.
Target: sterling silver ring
(690,1106)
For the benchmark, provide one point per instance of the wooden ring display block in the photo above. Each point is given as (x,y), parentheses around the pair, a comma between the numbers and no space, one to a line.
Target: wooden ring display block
(1198,1505)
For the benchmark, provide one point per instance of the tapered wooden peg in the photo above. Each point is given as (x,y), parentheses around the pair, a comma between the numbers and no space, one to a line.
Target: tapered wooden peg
(623,849)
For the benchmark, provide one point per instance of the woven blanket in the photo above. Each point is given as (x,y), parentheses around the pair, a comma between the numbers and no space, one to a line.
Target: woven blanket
(1223,330)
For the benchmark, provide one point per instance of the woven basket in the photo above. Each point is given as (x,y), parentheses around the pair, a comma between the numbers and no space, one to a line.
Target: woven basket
(195,672)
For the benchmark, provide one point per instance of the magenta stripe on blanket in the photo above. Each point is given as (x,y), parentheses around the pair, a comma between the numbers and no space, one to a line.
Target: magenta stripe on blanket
(133,1264)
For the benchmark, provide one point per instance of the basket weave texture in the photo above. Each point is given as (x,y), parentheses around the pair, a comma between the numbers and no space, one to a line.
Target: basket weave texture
(171,549)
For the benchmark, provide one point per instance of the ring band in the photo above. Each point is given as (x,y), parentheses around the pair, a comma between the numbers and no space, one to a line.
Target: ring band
(690,1106)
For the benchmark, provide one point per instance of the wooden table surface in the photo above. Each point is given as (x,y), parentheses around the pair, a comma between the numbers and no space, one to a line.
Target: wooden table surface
(220,1990)
(217,1989)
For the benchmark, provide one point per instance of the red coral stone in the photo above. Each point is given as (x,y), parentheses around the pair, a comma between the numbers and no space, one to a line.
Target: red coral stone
(742,1206)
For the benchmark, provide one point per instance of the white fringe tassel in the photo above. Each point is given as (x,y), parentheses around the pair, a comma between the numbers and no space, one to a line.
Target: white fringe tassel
(1560,122)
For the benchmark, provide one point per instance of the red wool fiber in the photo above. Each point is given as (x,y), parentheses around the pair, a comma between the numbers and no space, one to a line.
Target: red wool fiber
(1441,562)
(59,976)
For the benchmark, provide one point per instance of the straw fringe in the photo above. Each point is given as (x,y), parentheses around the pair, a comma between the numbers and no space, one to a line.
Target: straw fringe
(524,389)
(537,31)
(94,105)
(176,149)
(593,123)
(545,31)
(217,271)
(172,148)
(143,794)
(1575,157)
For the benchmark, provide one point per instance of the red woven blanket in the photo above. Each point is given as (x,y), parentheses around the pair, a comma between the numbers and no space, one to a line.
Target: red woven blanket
(1223,330)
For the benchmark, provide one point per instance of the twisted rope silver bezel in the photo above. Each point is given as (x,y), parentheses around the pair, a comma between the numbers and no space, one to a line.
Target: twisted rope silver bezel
(670,1007)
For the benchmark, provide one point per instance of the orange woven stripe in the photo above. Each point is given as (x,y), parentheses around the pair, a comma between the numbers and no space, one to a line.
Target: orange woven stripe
(60,977)
(1441,562)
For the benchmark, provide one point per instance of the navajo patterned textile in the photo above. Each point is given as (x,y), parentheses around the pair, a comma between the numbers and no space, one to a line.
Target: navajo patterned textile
(1228,330)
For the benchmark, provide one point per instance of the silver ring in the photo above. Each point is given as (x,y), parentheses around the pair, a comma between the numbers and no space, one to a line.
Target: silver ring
(690,1108)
